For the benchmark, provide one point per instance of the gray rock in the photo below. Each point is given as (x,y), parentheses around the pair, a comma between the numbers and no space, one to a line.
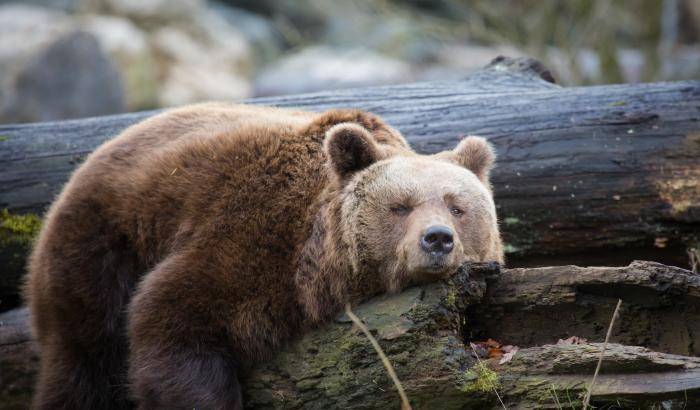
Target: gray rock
(70,78)
(146,11)
(63,5)
(207,60)
(129,47)
(24,29)
(350,24)
(306,18)
(323,68)
(265,39)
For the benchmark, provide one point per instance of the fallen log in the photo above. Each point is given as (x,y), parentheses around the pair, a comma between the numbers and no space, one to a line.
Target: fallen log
(425,332)
(660,311)
(580,169)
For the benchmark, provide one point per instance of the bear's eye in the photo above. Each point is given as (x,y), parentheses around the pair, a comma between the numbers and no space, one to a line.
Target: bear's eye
(400,210)
(456,211)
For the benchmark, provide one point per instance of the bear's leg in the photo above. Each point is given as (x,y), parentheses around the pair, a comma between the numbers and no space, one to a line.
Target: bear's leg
(81,276)
(71,379)
(180,353)
(185,379)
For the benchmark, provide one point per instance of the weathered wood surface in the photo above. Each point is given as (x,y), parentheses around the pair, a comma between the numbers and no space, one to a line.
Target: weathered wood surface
(585,170)
(424,330)
(661,306)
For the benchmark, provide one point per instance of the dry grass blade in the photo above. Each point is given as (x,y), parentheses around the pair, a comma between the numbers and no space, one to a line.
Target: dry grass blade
(587,400)
(494,387)
(405,405)
(556,397)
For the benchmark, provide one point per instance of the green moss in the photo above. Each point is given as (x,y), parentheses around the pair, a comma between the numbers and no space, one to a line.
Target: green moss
(307,384)
(511,220)
(451,298)
(617,103)
(481,379)
(18,229)
(3,138)
(509,248)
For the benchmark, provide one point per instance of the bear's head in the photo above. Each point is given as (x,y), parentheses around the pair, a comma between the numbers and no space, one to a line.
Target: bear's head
(407,218)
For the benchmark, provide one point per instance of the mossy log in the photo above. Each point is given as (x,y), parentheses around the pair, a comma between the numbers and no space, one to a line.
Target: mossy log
(425,332)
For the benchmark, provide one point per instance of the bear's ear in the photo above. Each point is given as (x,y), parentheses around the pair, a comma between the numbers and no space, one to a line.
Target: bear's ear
(475,154)
(350,148)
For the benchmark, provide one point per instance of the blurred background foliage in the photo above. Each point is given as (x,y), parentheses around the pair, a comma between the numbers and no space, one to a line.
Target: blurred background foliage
(77,58)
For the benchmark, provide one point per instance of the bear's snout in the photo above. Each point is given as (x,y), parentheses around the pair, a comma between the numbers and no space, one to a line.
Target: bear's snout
(437,241)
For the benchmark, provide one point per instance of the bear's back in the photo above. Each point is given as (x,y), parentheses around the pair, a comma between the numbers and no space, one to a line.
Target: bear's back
(139,143)
(217,172)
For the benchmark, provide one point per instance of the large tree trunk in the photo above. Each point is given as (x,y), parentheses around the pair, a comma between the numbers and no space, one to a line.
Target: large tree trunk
(425,333)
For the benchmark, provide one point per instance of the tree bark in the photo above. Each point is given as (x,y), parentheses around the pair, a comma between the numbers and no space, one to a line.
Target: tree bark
(585,171)
(425,332)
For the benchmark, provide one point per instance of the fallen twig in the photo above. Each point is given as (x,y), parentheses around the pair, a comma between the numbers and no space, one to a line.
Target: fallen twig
(405,405)
(587,400)
(494,387)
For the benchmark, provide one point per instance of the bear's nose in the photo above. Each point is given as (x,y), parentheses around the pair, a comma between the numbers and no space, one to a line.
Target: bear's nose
(437,240)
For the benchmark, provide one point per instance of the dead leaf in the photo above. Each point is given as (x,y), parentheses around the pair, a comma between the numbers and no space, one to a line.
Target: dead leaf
(573,340)
(490,349)
(495,352)
(508,356)
(508,348)
(492,343)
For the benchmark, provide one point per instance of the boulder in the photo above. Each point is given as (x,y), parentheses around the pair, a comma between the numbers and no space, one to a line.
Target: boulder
(70,77)
(266,40)
(64,5)
(181,56)
(304,20)
(321,68)
(151,12)
(23,30)
(190,83)
(390,30)
(51,70)
(203,63)
(222,41)
(128,45)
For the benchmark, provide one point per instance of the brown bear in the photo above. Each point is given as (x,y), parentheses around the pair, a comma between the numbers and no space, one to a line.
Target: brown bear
(196,242)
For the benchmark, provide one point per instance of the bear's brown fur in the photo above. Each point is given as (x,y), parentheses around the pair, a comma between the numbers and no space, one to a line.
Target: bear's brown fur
(196,242)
